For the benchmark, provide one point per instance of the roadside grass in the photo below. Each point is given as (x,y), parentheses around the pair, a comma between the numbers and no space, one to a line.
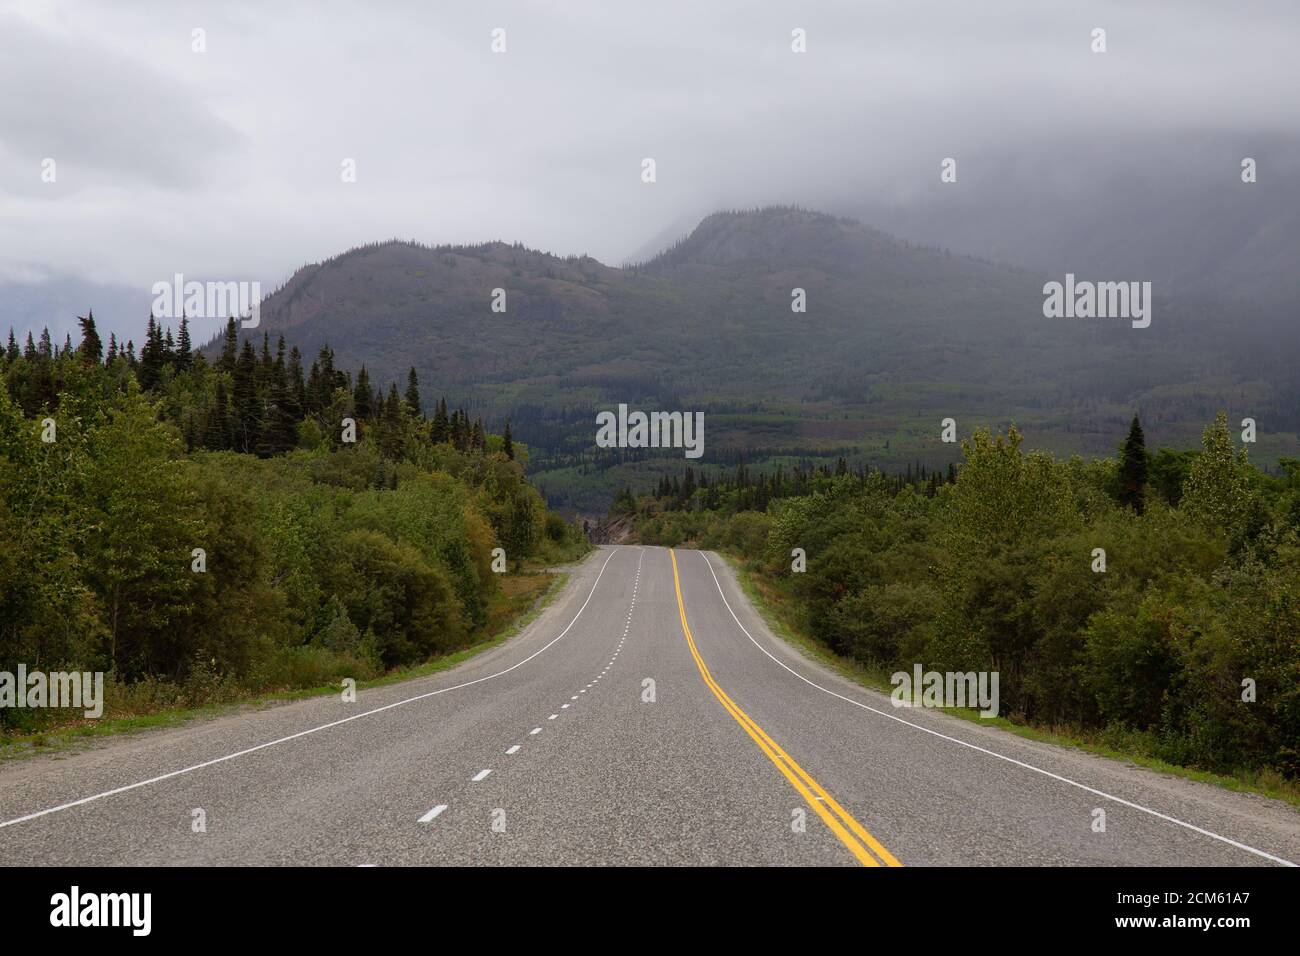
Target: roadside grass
(523,596)
(776,609)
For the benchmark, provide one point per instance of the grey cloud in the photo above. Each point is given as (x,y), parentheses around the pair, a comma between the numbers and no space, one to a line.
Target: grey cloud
(228,165)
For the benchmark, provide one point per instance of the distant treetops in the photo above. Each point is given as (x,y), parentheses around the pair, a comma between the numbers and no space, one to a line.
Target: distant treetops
(249,400)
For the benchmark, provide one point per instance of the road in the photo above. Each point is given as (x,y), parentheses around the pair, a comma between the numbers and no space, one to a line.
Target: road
(548,749)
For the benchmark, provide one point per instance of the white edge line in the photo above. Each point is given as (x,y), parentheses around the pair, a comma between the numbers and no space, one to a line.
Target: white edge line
(304,733)
(1012,760)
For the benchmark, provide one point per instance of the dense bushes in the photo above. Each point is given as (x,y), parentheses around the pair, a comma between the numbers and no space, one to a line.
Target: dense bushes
(195,575)
(995,571)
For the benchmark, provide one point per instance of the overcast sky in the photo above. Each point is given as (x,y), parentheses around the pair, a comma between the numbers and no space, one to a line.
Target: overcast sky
(226,164)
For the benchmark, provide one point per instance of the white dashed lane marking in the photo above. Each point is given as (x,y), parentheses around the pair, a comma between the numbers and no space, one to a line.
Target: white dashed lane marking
(480,775)
(433,813)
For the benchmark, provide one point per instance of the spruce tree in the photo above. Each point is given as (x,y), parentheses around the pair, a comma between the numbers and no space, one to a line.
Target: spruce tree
(297,386)
(216,426)
(246,411)
(441,427)
(229,347)
(92,349)
(507,442)
(1133,469)
(151,356)
(413,393)
(184,352)
(280,432)
(361,395)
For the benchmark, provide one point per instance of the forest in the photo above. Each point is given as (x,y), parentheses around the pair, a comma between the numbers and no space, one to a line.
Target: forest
(203,530)
(1146,602)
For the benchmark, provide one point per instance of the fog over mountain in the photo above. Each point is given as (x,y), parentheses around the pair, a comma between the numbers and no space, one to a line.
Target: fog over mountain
(226,163)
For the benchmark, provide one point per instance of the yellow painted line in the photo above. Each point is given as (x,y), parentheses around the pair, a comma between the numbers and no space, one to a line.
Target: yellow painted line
(851,833)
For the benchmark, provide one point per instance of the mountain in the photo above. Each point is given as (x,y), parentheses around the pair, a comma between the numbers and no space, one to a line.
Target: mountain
(895,338)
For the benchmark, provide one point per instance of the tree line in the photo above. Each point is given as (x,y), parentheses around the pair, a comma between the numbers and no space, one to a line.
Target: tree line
(1149,601)
(202,529)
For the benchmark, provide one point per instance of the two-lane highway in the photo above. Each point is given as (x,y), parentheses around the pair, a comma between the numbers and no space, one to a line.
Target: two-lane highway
(647,717)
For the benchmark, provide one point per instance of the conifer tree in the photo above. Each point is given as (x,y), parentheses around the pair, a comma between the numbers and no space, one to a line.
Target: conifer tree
(246,409)
(216,426)
(151,356)
(413,393)
(441,426)
(1133,469)
(229,347)
(184,351)
(361,395)
(296,385)
(92,349)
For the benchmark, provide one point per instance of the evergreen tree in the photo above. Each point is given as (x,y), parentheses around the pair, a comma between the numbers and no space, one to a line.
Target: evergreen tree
(413,393)
(184,352)
(112,349)
(441,426)
(246,408)
(507,442)
(265,367)
(229,347)
(296,384)
(312,402)
(1133,469)
(393,406)
(280,432)
(92,349)
(12,351)
(361,395)
(216,426)
(151,356)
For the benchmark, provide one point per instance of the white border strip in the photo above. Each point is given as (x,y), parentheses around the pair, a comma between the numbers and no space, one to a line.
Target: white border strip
(304,733)
(1018,763)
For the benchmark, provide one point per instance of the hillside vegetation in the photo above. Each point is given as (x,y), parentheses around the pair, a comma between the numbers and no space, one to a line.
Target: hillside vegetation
(201,531)
(895,338)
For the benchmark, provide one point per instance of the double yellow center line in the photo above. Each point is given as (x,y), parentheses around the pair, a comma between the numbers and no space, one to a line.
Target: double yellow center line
(851,833)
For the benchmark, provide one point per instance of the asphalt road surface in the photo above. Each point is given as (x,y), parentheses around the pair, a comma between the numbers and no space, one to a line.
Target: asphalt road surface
(646,717)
